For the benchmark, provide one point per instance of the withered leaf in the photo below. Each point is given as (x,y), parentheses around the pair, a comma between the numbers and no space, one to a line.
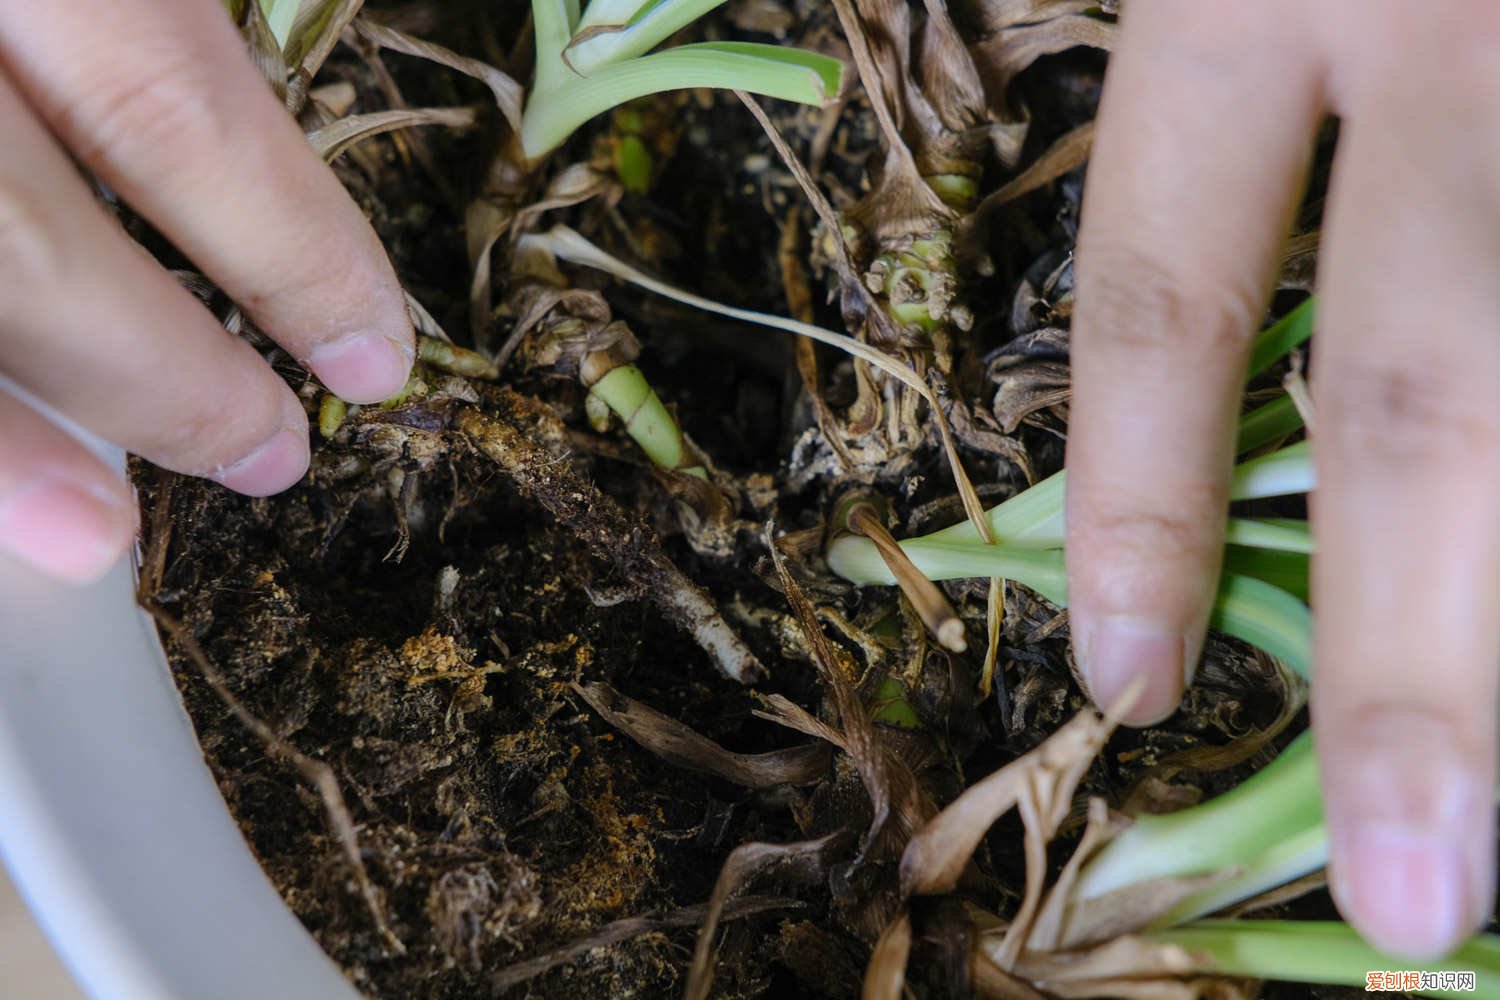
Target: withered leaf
(507,92)
(678,744)
(338,136)
(800,862)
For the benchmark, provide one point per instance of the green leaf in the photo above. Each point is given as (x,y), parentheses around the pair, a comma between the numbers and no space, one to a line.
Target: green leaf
(1285,570)
(559,106)
(1269,533)
(643,30)
(1265,424)
(1315,951)
(280,15)
(1264,615)
(1281,338)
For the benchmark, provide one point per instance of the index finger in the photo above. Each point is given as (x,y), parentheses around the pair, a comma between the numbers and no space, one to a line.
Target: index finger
(1203,137)
(160,99)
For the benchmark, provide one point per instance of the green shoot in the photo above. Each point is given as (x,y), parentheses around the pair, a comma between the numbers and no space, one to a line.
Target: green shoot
(630,397)
(589,63)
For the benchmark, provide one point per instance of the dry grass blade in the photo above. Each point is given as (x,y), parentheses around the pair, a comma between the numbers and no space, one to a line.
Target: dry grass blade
(997,15)
(314,772)
(314,34)
(852,720)
(885,976)
(336,137)
(1003,55)
(882,73)
(576,183)
(678,744)
(1121,958)
(993,983)
(1299,261)
(938,853)
(785,712)
(508,93)
(800,862)
(265,51)
(1067,153)
(851,288)
(930,603)
(316,31)
(631,927)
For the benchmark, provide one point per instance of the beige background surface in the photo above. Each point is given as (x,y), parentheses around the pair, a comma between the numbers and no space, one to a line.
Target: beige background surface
(28,968)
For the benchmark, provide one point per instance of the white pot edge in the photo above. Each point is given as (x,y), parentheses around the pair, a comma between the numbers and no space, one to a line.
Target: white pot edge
(111,824)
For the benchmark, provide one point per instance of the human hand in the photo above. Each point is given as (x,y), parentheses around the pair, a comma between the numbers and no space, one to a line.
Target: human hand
(159,99)
(1203,139)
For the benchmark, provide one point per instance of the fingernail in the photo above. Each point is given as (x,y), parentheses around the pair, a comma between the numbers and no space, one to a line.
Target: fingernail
(1118,650)
(362,367)
(1412,832)
(1406,891)
(274,466)
(66,530)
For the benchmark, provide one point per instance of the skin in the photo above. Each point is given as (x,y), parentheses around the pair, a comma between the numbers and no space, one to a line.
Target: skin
(158,99)
(1203,141)
(1202,144)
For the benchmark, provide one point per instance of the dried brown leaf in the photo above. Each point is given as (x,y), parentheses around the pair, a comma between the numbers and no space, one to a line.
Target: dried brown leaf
(265,51)
(508,93)
(1003,55)
(678,744)
(994,983)
(801,862)
(1027,389)
(885,976)
(631,927)
(1067,153)
(1046,777)
(336,137)
(1299,261)
(894,793)
(950,81)
(316,30)
(997,15)
(1120,958)
(573,185)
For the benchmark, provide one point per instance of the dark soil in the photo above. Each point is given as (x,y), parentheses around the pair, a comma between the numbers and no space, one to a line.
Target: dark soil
(413,619)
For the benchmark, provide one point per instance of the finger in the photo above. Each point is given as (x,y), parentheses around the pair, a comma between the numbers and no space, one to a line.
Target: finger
(1407,579)
(61,509)
(95,328)
(159,98)
(1203,137)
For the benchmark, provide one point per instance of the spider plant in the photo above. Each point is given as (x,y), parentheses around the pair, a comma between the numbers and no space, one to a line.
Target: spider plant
(591,60)
(1265,560)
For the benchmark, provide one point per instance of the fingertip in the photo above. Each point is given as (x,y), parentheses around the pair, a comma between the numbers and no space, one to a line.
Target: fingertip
(1116,650)
(1411,820)
(273,466)
(1410,894)
(71,531)
(363,367)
